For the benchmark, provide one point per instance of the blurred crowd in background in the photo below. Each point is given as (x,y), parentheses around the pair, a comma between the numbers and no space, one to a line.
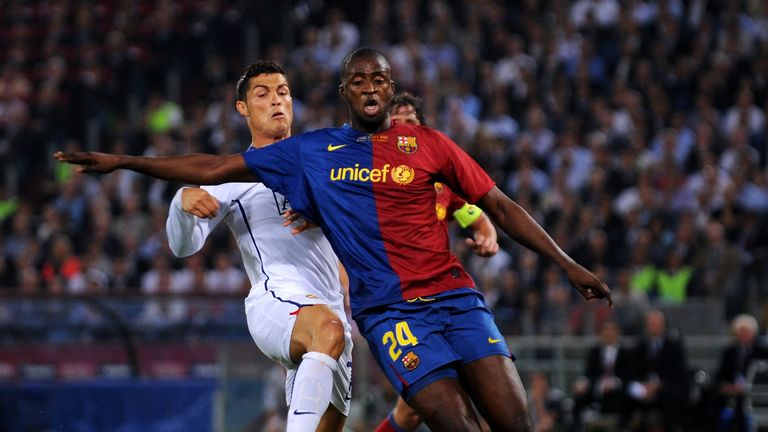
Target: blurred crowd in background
(634,131)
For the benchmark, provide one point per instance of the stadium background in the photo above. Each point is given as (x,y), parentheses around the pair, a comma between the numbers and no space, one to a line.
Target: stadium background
(633,130)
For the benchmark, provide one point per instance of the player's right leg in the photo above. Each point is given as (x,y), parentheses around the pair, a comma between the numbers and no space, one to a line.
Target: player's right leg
(445,406)
(497,391)
(317,342)
(314,342)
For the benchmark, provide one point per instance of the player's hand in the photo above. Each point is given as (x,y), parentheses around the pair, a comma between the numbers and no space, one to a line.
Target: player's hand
(199,202)
(587,284)
(299,223)
(90,161)
(483,246)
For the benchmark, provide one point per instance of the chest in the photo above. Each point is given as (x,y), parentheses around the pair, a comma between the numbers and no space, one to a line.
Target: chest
(391,166)
(257,206)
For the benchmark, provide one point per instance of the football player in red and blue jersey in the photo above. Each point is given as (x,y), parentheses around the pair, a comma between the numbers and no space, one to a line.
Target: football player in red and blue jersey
(370,187)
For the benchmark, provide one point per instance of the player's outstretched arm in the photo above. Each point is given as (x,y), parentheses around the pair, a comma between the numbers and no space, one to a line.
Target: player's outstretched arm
(519,225)
(195,168)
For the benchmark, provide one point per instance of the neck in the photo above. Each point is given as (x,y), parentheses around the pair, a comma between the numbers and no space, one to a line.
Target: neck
(369,127)
(259,141)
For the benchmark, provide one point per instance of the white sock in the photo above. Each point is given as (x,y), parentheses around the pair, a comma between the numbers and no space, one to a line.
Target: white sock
(311,392)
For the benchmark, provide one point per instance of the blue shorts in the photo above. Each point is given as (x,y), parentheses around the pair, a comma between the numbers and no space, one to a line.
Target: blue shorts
(419,341)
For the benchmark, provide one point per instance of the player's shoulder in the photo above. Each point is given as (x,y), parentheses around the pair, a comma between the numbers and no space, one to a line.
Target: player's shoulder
(401,129)
(416,130)
(318,136)
(418,136)
(229,189)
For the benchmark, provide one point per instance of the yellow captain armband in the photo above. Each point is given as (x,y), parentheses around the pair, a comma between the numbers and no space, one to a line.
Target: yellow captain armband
(467,214)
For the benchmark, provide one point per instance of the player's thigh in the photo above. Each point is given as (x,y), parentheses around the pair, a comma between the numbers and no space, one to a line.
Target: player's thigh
(270,321)
(317,328)
(495,387)
(444,406)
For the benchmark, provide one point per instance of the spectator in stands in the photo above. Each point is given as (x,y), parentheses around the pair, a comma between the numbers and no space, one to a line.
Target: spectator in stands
(601,392)
(658,390)
(731,378)
(549,405)
(673,280)
(717,263)
(62,270)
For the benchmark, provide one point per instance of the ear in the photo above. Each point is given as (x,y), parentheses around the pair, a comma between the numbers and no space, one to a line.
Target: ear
(242,108)
(392,84)
(341,89)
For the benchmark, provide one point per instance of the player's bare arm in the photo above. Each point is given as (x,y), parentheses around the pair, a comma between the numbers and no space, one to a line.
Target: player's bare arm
(484,243)
(519,225)
(199,202)
(195,168)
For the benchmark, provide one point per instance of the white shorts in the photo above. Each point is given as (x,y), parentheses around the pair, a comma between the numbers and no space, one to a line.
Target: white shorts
(270,321)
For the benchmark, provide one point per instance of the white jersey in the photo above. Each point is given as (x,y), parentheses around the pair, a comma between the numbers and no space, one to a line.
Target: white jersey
(286,271)
(277,262)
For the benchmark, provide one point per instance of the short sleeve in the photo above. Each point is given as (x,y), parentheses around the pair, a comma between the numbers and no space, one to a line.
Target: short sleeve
(276,165)
(459,171)
(280,167)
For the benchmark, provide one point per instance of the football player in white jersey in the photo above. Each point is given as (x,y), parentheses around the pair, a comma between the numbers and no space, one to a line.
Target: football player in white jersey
(295,308)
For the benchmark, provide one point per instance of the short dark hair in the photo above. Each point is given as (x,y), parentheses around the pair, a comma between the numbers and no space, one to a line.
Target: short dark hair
(405,99)
(255,69)
(364,52)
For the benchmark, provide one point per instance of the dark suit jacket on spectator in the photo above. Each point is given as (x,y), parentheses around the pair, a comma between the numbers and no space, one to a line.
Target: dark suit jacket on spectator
(612,402)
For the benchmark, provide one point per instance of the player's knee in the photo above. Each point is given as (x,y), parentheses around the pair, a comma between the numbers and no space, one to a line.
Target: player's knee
(451,422)
(518,423)
(406,417)
(524,424)
(329,337)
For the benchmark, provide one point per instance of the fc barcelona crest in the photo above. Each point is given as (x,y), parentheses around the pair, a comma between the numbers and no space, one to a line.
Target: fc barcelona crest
(410,361)
(407,144)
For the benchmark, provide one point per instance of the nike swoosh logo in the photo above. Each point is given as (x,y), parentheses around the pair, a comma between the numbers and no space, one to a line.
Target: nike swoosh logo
(297,412)
(493,341)
(332,147)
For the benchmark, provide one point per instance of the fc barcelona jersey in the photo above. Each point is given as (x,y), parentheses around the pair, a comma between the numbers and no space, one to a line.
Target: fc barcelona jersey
(374,197)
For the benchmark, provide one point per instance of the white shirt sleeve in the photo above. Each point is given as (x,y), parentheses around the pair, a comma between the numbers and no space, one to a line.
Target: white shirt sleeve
(186,232)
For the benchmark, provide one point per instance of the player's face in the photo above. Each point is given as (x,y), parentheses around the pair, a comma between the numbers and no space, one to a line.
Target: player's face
(268,107)
(368,88)
(404,114)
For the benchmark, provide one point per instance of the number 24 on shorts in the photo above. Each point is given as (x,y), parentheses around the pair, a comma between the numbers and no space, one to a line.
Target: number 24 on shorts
(402,336)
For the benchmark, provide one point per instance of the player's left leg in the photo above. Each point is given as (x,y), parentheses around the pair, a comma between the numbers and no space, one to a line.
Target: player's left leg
(317,342)
(495,387)
(487,371)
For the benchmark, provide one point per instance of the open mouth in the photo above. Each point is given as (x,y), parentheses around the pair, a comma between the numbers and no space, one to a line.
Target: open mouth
(278,115)
(371,107)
